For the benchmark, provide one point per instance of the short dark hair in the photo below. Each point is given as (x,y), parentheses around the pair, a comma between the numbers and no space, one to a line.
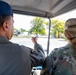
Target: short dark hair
(3,18)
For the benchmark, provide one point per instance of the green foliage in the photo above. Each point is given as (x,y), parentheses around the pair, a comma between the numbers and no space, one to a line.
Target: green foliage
(57,27)
(38,26)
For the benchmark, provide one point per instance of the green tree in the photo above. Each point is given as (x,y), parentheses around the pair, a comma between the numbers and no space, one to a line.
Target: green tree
(57,27)
(37,26)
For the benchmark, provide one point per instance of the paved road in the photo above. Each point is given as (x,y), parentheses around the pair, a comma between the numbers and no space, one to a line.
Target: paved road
(54,43)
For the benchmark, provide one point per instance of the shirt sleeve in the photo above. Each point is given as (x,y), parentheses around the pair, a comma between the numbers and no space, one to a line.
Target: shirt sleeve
(37,55)
(47,68)
(50,63)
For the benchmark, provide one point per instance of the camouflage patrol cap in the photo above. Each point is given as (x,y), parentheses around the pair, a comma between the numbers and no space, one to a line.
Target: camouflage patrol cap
(70,22)
(5,9)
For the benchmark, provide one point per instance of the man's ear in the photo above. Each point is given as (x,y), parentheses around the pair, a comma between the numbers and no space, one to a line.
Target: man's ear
(5,26)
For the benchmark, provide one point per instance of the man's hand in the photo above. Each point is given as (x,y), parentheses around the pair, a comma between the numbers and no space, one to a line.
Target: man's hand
(34,39)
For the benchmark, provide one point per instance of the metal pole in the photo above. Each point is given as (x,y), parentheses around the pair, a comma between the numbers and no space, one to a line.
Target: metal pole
(48,43)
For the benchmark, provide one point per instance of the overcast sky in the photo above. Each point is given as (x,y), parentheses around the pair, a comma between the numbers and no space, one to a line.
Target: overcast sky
(23,21)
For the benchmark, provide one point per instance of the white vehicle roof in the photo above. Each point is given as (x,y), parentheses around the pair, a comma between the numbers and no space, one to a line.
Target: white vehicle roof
(42,8)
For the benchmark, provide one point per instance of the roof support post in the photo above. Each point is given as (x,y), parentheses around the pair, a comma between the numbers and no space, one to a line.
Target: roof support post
(48,43)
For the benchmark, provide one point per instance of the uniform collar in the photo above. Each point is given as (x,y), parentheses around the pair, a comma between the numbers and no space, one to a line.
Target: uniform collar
(3,39)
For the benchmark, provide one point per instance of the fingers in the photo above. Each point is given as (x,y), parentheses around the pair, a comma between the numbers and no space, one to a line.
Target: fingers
(34,39)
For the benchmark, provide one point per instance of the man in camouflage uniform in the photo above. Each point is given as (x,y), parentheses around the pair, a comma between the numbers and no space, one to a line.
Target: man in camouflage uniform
(62,61)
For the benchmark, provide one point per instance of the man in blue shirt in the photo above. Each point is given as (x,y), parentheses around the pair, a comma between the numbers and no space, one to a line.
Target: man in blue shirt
(16,59)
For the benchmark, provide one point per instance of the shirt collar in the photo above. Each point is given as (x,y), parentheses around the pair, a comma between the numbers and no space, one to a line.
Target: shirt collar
(3,39)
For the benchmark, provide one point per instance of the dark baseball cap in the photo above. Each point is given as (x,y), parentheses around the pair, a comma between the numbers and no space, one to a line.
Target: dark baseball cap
(70,22)
(5,9)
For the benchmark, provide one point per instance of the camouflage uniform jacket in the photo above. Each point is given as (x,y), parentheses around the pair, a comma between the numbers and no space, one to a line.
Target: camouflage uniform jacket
(60,62)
